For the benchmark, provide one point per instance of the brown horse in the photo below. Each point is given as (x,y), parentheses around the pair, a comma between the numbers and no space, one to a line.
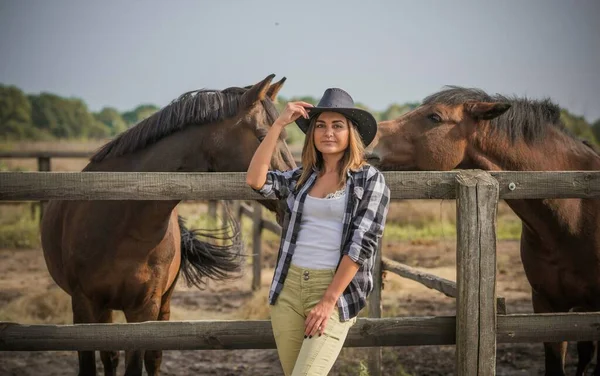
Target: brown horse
(127,255)
(560,242)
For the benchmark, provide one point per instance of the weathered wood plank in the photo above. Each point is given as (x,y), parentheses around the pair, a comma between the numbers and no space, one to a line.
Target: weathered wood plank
(207,335)
(43,166)
(467,276)
(246,210)
(256,245)
(432,281)
(477,194)
(271,226)
(24,186)
(375,357)
(487,203)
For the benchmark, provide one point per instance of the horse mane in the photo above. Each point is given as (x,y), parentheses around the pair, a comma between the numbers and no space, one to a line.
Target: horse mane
(196,107)
(526,119)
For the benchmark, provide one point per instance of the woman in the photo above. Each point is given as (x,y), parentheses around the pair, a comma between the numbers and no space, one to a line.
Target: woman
(337,206)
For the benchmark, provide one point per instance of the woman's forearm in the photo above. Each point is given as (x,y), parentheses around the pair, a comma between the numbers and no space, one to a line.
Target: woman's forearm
(259,165)
(346,271)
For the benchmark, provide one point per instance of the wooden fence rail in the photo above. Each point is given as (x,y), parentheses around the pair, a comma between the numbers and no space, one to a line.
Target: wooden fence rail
(257,334)
(27,186)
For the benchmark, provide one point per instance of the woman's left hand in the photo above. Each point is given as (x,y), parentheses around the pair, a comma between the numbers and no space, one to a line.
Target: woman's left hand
(317,319)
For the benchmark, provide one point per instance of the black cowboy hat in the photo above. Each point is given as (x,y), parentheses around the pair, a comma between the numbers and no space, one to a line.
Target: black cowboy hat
(337,100)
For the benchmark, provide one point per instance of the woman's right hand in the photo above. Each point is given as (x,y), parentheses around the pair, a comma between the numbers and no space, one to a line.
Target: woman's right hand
(292,111)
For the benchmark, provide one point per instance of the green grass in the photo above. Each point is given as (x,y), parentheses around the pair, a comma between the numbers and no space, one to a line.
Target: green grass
(508,228)
(19,229)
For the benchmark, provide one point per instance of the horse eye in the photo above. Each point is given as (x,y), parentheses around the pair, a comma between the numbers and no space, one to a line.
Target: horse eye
(261,138)
(435,118)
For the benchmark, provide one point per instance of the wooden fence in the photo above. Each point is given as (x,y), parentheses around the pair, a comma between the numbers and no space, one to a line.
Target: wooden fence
(475,329)
(44,163)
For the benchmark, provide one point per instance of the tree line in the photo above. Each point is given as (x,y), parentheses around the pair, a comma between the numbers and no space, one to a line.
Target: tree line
(47,116)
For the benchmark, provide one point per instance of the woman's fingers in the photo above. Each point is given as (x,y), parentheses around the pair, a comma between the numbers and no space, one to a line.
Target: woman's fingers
(301,111)
(322,327)
(311,323)
(315,323)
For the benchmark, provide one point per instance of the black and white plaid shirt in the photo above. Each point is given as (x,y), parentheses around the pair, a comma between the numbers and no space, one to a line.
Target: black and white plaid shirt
(367,205)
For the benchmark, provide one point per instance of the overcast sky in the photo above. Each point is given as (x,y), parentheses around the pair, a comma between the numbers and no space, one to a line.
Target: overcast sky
(123,53)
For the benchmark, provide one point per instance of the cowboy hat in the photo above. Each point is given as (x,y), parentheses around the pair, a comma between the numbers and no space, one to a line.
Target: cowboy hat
(337,100)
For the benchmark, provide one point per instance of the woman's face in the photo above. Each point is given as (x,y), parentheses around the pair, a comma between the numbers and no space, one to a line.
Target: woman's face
(331,133)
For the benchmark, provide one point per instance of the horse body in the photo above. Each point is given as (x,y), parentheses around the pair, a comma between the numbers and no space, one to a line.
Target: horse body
(560,240)
(127,254)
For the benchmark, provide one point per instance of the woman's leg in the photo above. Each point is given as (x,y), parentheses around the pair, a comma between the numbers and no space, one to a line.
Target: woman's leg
(318,354)
(287,320)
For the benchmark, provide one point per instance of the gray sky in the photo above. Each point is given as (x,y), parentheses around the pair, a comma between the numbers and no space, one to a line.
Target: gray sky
(123,53)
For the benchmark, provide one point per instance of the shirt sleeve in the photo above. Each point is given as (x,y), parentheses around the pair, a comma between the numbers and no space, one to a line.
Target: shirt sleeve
(368,223)
(279,184)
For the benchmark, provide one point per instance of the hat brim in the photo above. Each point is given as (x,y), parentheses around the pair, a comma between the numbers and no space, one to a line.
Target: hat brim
(364,121)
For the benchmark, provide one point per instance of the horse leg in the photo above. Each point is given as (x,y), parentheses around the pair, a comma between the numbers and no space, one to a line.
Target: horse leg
(585,350)
(148,312)
(110,359)
(597,369)
(153,358)
(554,352)
(85,312)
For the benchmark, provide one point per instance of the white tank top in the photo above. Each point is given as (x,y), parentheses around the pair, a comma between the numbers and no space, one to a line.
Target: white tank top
(320,235)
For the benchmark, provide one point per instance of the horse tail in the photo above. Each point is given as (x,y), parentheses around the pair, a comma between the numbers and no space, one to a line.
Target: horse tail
(215,257)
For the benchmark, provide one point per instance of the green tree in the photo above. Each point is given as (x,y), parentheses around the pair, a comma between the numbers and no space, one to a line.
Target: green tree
(596,130)
(578,126)
(394,111)
(112,119)
(64,117)
(15,113)
(138,114)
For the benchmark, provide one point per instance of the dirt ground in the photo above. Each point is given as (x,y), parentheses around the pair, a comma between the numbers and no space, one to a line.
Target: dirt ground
(27,294)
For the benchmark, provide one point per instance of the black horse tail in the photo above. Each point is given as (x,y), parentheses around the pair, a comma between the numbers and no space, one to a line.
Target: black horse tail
(217,256)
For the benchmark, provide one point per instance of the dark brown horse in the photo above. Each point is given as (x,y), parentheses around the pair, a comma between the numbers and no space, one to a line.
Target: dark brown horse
(560,242)
(127,255)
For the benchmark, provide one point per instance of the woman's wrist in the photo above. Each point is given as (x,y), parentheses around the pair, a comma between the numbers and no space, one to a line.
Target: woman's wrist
(330,299)
(279,124)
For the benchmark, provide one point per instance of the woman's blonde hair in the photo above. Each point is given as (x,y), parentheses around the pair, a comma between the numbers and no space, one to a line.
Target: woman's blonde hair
(353,158)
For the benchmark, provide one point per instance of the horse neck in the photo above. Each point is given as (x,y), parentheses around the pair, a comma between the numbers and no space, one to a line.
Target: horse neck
(556,152)
(186,150)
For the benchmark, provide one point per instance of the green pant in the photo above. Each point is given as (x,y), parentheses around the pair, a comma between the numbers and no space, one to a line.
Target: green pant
(302,290)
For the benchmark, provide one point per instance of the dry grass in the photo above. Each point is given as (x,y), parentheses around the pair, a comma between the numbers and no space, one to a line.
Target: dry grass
(256,308)
(48,307)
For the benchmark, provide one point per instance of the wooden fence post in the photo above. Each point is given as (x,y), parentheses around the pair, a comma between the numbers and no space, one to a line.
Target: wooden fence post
(374,311)
(224,207)
(256,245)
(236,211)
(477,199)
(43,166)
(212,209)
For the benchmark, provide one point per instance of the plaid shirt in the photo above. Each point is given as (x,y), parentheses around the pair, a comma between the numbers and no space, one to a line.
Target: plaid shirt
(364,220)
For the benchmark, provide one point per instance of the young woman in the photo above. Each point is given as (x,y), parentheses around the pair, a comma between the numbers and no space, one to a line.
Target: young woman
(337,206)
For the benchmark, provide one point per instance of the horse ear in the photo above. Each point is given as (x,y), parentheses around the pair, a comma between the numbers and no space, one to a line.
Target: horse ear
(257,92)
(485,110)
(274,89)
